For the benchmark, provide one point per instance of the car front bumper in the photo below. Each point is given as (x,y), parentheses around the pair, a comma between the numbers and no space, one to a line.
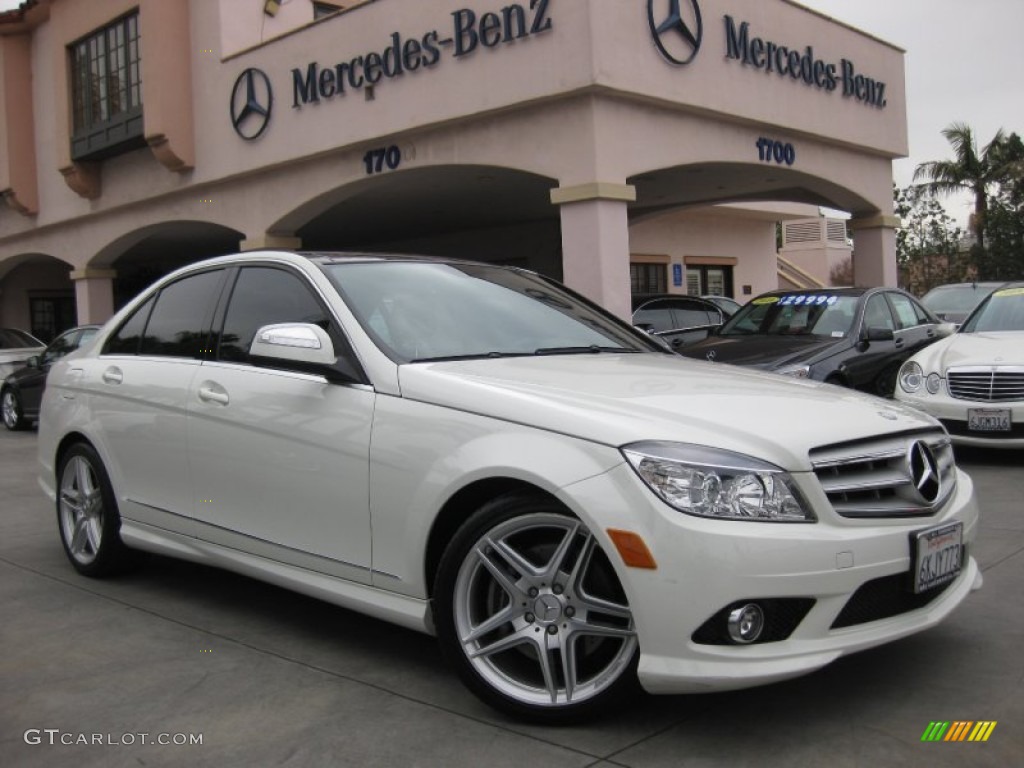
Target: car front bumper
(705,566)
(953,415)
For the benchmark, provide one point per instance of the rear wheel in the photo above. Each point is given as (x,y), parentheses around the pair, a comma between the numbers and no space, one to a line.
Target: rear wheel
(87,514)
(532,614)
(10,407)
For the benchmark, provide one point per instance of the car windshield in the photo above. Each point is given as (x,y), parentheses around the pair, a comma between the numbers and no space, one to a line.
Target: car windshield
(1002,311)
(955,298)
(427,311)
(797,314)
(11,338)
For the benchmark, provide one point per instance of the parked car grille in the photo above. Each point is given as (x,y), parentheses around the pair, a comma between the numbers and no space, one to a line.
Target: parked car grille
(986,384)
(887,477)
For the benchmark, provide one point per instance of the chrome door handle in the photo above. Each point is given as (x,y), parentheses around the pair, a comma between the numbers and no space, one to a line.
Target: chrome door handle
(113,376)
(210,394)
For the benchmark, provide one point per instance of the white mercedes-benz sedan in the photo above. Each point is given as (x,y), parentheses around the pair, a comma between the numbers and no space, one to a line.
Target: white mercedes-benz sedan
(476,452)
(973,381)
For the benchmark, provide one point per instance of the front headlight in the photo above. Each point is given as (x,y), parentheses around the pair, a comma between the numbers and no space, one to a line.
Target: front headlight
(911,377)
(796,371)
(709,482)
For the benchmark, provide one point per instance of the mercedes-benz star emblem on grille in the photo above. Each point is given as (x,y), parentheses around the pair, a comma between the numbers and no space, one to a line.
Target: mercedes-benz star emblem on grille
(252,100)
(924,471)
(677,28)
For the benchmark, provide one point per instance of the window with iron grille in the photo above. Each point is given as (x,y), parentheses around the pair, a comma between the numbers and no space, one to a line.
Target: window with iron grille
(106,92)
(647,278)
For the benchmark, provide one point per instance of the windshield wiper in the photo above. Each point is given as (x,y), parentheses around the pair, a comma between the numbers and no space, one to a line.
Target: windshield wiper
(474,356)
(593,349)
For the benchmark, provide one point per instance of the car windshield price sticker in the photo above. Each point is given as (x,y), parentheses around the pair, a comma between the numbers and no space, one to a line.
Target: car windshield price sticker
(808,300)
(937,555)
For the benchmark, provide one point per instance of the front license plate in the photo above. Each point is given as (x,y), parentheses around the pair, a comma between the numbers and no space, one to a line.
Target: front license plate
(936,555)
(989,419)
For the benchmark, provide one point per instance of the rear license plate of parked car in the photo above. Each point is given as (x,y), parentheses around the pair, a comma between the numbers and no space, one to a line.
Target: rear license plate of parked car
(937,555)
(989,419)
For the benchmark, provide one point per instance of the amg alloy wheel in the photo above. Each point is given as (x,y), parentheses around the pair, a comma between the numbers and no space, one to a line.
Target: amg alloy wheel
(10,406)
(87,514)
(532,613)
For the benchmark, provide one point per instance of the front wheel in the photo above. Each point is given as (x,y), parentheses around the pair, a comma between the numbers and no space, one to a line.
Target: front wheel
(13,415)
(87,514)
(532,615)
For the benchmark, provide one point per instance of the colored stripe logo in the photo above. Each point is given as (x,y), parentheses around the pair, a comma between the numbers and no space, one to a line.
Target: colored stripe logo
(959,730)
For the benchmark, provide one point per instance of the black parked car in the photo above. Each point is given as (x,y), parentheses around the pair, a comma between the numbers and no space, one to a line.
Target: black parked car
(23,389)
(677,319)
(855,337)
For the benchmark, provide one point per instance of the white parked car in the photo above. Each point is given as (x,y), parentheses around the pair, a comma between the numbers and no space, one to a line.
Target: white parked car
(15,348)
(973,381)
(476,452)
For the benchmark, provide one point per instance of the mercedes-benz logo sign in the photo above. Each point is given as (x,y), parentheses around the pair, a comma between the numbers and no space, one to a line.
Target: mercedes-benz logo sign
(677,28)
(252,100)
(924,472)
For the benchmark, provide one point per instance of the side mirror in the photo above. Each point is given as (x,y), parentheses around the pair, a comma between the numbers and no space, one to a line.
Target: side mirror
(877,334)
(645,327)
(942,330)
(301,347)
(32,362)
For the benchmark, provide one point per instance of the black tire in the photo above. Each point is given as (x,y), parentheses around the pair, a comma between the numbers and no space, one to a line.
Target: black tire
(885,384)
(13,414)
(836,379)
(87,516)
(560,607)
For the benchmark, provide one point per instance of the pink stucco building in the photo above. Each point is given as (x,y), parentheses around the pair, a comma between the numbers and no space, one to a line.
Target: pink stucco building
(612,143)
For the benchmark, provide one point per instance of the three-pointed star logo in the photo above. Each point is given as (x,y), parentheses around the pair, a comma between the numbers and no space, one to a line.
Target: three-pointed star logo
(677,35)
(252,101)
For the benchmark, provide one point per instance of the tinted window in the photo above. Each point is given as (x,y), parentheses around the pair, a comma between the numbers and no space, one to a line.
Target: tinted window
(264,296)
(177,327)
(61,346)
(13,339)
(126,340)
(655,314)
(691,313)
(877,314)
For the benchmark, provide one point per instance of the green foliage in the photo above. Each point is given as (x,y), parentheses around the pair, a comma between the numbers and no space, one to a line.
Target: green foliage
(995,177)
(928,243)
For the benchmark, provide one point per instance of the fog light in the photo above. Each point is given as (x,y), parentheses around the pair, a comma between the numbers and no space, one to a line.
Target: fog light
(746,623)
(932,383)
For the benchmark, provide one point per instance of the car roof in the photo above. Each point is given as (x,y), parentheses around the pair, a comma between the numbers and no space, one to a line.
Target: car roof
(844,291)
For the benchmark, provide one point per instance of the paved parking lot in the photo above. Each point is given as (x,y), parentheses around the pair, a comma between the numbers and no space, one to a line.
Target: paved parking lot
(178,652)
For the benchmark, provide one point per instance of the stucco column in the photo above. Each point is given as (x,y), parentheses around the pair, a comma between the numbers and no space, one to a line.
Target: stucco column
(94,294)
(595,242)
(874,250)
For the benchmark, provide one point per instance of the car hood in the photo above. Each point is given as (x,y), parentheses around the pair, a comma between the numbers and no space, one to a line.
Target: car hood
(761,350)
(620,399)
(965,349)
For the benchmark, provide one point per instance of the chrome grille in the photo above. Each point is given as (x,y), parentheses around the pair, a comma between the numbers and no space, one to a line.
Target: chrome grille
(874,478)
(986,384)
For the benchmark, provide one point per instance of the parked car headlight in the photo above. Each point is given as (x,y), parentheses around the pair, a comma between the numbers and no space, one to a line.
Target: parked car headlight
(708,482)
(796,371)
(911,377)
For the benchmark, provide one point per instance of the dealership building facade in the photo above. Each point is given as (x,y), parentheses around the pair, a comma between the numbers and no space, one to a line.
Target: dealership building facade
(623,146)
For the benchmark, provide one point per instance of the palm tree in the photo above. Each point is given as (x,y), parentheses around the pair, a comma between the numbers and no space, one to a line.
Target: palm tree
(970,171)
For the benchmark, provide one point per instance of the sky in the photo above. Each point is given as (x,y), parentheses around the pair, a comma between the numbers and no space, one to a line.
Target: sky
(964,63)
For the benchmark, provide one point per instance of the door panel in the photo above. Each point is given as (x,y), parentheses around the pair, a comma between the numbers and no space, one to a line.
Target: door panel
(282,458)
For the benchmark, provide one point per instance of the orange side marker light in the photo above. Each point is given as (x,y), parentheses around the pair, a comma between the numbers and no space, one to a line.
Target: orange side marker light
(632,549)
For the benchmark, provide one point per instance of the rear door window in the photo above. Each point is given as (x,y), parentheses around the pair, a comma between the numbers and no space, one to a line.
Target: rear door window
(179,323)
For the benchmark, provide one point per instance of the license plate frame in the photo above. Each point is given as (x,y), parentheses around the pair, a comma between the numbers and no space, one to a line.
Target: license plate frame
(989,420)
(936,555)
